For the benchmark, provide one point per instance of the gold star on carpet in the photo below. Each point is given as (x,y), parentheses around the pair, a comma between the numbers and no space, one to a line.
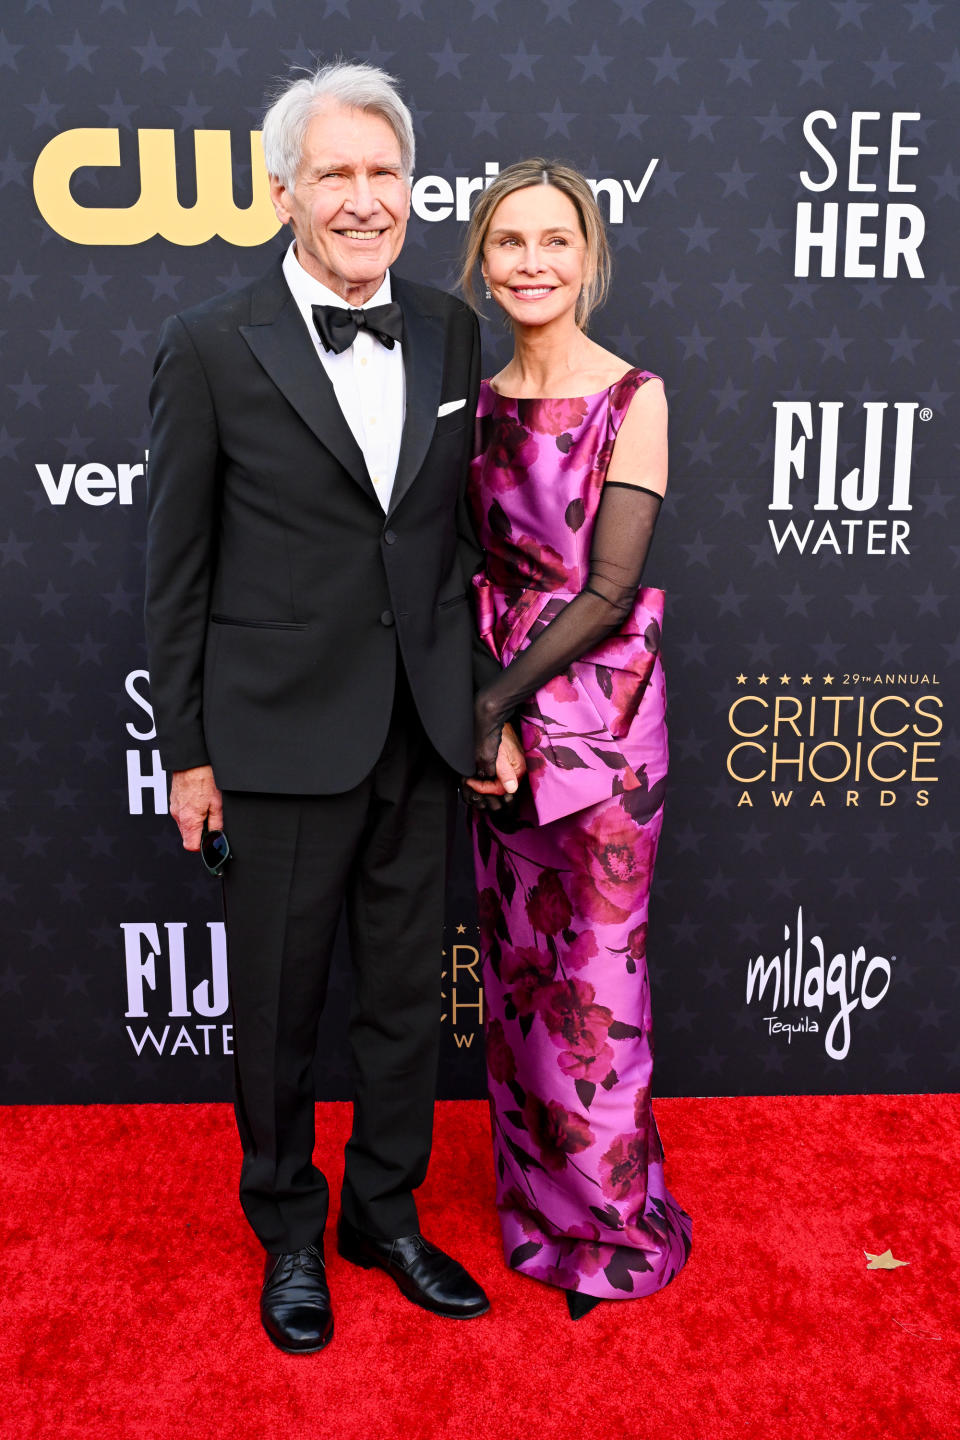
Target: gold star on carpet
(828,679)
(762,679)
(461,929)
(884,1261)
(741,679)
(807,679)
(784,679)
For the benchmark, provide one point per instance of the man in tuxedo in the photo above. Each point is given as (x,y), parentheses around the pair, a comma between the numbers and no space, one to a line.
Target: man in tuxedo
(312,667)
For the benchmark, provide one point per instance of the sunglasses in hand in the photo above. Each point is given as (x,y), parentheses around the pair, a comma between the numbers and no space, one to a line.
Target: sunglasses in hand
(214,850)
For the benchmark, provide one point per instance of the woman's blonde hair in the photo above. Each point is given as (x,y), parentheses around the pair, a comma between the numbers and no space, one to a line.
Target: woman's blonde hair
(571,183)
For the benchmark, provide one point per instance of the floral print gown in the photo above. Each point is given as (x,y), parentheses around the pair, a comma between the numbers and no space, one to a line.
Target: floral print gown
(563,893)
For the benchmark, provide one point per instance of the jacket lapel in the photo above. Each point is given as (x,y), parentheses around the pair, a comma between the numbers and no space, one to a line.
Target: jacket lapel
(423,336)
(278,339)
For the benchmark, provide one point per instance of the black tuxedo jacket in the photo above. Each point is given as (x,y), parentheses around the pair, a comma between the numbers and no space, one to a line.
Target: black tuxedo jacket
(277,590)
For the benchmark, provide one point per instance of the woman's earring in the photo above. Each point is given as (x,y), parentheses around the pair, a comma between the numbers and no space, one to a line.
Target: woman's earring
(487,294)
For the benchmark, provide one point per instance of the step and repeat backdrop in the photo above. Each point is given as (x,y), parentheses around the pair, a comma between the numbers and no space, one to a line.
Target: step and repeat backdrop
(783,206)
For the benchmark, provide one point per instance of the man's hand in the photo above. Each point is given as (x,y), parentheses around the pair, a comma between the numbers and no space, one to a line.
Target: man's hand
(194,797)
(511,768)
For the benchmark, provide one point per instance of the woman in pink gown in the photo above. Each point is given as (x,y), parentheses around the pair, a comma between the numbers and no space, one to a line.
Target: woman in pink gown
(565,489)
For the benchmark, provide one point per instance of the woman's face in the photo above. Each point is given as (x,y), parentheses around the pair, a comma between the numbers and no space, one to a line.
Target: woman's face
(535,255)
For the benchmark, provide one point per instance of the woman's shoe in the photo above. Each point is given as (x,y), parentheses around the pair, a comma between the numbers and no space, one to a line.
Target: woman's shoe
(580,1305)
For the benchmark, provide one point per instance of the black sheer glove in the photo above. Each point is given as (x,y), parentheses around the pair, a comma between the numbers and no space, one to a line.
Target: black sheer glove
(624,528)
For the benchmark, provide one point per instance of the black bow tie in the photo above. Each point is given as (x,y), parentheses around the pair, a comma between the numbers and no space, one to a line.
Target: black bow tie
(338,327)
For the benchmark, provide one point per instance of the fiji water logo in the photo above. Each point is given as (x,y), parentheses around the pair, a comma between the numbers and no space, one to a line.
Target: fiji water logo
(803,981)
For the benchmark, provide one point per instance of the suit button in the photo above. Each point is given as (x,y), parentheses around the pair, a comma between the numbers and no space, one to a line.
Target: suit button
(386,618)
(390,536)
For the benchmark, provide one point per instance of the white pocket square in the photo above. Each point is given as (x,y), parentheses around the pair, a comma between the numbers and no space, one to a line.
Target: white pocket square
(450,405)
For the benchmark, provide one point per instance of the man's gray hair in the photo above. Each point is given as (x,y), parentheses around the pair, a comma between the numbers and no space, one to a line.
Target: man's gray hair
(358,87)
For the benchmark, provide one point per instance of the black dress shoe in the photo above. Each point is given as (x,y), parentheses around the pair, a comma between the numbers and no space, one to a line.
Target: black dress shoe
(424,1274)
(295,1301)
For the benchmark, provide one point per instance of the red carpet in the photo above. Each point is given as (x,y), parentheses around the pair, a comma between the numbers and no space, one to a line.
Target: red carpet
(129,1307)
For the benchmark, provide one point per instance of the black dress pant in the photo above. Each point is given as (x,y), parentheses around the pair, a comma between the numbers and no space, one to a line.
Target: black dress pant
(381,849)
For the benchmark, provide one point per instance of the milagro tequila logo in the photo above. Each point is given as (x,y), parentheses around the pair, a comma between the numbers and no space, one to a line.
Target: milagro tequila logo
(802,980)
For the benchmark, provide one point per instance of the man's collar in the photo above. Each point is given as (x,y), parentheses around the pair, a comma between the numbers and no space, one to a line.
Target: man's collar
(308,291)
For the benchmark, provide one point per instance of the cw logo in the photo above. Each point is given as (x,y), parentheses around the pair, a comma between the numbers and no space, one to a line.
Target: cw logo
(158,210)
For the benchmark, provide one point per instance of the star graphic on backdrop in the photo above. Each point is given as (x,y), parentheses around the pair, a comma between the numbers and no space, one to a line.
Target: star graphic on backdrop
(12,170)
(948,184)
(19,283)
(557,120)
(705,10)
(192,115)
(812,68)
(448,60)
(88,650)
(902,346)
(764,345)
(485,120)
(301,55)
(8,53)
(778,12)
(728,397)
(27,391)
(695,343)
(697,550)
(629,122)
(883,69)
(849,12)
(666,65)
(521,63)
(94,749)
(226,56)
(78,54)
(834,346)
(632,10)
(701,124)
(164,283)
(118,113)
(698,235)
(735,180)
(938,928)
(922,13)
(486,8)
(701,449)
(152,55)
(14,551)
(59,338)
(732,290)
(594,65)
(944,838)
(91,282)
(739,67)
(9,444)
(130,337)
(773,124)
(51,600)
(558,9)
(951,68)
(98,392)
(44,112)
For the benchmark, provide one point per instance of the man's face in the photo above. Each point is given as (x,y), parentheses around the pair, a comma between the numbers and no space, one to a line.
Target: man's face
(348,209)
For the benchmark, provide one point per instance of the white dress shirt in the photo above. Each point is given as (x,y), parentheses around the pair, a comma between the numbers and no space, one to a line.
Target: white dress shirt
(367,378)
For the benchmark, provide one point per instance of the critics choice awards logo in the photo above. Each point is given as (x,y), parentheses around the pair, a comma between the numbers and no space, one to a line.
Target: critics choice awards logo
(794,741)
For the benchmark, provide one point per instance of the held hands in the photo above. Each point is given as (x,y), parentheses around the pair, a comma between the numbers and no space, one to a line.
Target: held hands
(491,792)
(194,797)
